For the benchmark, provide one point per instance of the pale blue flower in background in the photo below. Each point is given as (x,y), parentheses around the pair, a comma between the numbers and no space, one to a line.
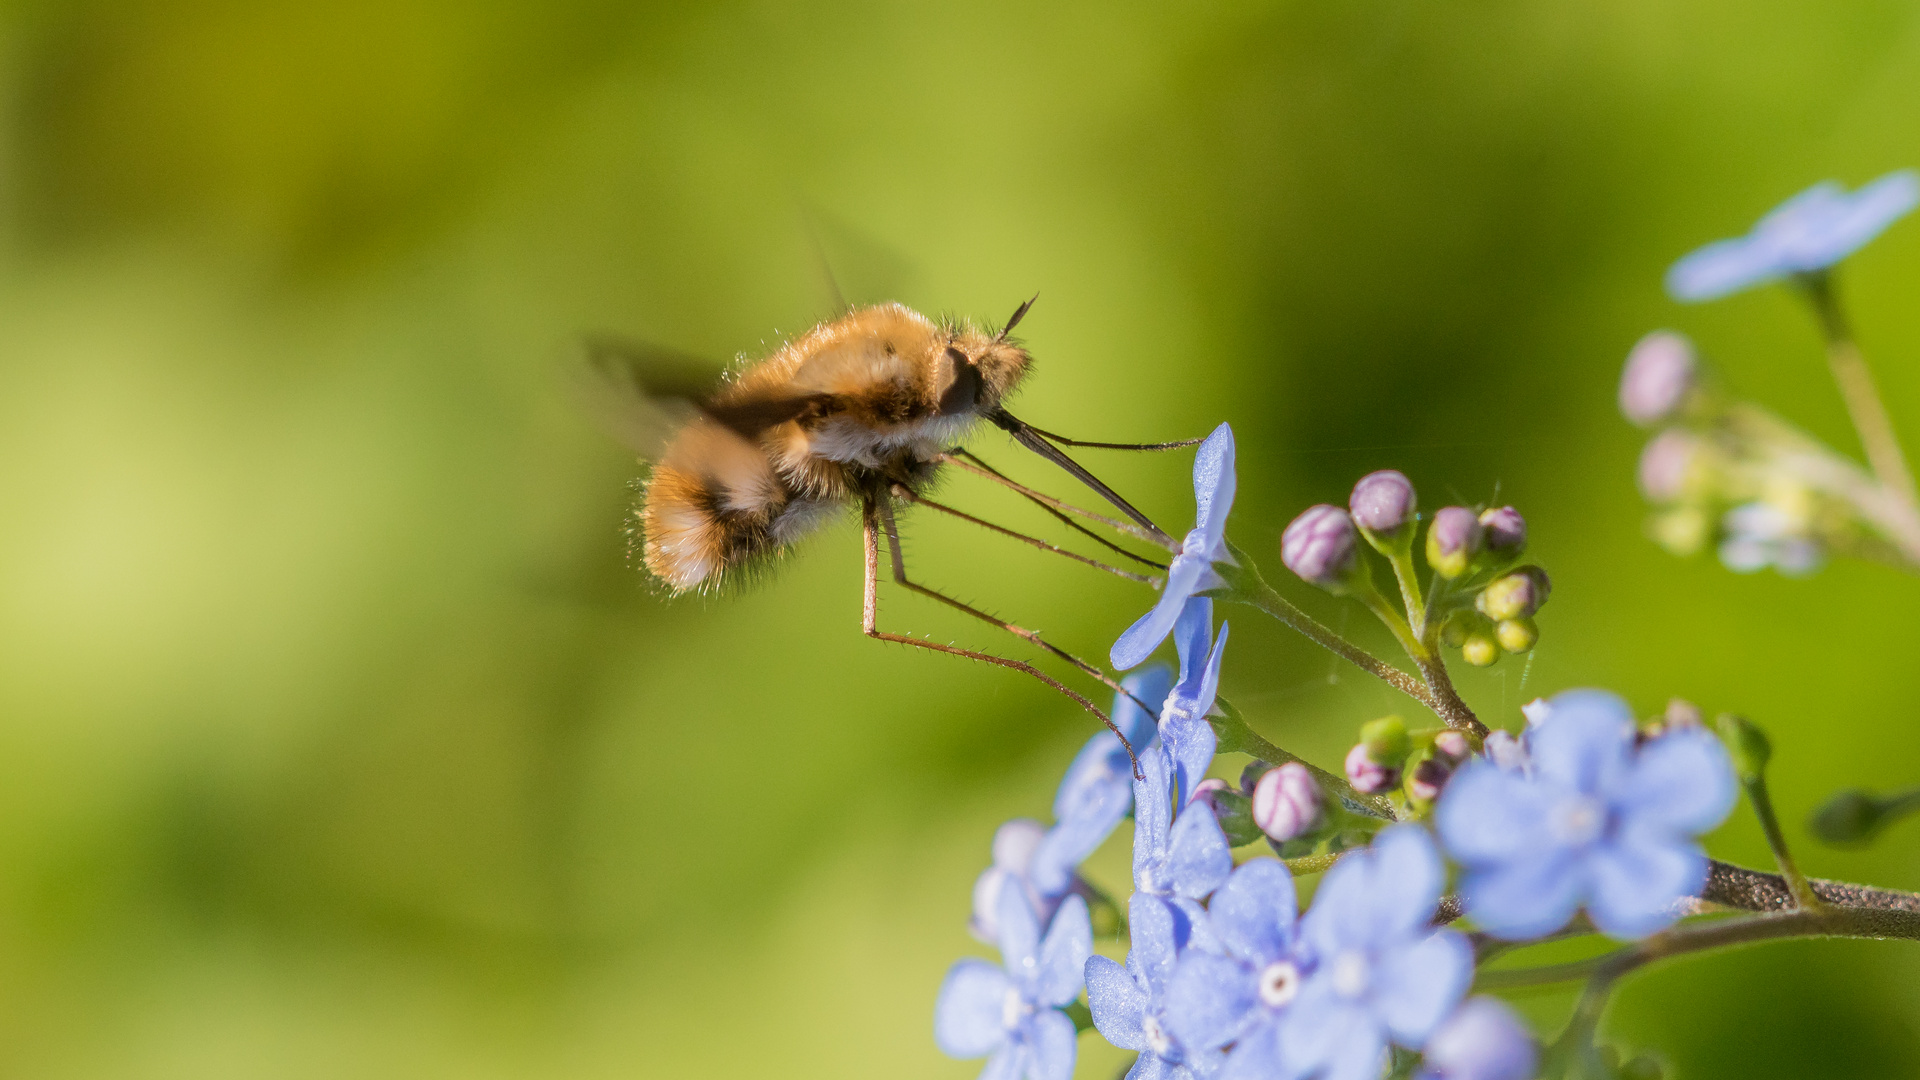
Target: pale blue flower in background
(1191,571)
(1010,1013)
(1097,791)
(1482,1040)
(1811,231)
(1593,820)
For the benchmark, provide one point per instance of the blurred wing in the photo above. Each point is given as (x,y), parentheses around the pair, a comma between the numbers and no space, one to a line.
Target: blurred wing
(644,394)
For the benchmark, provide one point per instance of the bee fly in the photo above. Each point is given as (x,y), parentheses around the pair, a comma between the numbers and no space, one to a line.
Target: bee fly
(864,409)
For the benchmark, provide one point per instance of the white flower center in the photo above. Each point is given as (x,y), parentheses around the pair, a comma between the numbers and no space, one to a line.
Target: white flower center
(1351,974)
(1157,1038)
(1279,983)
(1013,1009)
(1579,820)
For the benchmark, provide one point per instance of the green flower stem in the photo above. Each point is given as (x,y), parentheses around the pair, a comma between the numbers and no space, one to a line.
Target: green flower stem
(1573,1052)
(1797,884)
(1789,451)
(1432,688)
(1870,419)
(1246,586)
(1401,559)
(1235,736)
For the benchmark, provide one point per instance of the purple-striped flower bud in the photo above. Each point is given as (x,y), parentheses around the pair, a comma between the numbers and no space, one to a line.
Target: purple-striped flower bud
(1286,802)
(1429,778)
(1665,465)
(1505,531)
(1367,775)
(1516,594)
(1383,502)
(1660,371)
(1205,790)
(1453,540)
(1319,546)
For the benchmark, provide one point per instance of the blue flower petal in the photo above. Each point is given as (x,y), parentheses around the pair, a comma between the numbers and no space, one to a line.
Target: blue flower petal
(1019,932)
(1154,945)
(1417,987)
(1634,885)
(1052,1046)
(1198,856)
(1487,814)
(1373,895)
(1811,231)
(1720,269)
(1152,813)
(1209,1001)
(1192,927)
(1213,484)
(1117,1002)
(1063,955)
(1185,576)
(1151,685)
(1681,781)
(1320,1026)
(1253,914)
(1260,1055)
(1008,1063)
(969,1018)
(1584,742)
(1526,899)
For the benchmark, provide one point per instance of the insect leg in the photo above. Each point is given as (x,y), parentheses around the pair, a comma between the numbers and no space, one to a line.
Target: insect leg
(870,620)
(900,578)
(1027,437)
(973,463)
(901,491)
(1064,441)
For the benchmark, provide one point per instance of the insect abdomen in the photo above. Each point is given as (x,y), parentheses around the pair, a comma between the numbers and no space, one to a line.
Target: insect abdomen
(700,528)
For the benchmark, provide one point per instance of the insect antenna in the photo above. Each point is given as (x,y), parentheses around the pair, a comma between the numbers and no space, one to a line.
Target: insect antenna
(1026,436)
(1018,314)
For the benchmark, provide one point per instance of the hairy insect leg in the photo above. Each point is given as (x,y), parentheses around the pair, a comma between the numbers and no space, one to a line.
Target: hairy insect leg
(1156,446)
(870,512)
(971,462)
(901,491)
(900,578)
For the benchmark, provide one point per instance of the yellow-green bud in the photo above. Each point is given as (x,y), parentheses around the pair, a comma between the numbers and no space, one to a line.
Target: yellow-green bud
(1515,595)
(1454,631)
(1850,817)
(1480,649)
(1747,745)
(1453,539)
(1387,741)
(1516,635)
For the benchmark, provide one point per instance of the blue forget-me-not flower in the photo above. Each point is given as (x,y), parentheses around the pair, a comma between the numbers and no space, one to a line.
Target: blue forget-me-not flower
(1191,571)
(1010,1013)
(1129,1003)
(1184,727)
(1326,996)
(1594,819)
(1094,796)
(1179,857)
(1482,1040)
(1811,231)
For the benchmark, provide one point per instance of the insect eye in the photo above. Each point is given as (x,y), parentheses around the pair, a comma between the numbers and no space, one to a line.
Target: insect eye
(963,390)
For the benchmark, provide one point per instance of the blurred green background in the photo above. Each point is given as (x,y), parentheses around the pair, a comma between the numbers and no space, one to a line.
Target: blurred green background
(337,737)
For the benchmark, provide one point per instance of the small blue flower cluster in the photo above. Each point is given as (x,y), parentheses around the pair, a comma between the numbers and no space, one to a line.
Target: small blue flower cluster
(1225,976)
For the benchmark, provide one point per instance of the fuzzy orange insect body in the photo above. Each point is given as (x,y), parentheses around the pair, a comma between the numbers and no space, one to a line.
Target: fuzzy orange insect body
(870,399)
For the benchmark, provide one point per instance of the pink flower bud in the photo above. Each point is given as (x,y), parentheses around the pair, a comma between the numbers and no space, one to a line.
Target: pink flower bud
(1659,372)
(1366,775)
(1204,791)
(1286,802)
(1383,501)
(1506,531)
(1664,466)
(1428,778)
(1453,540)
(1453,746)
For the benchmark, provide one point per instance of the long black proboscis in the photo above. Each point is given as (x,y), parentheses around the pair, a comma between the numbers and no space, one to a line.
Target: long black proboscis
(1064,441)
(1027,436)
